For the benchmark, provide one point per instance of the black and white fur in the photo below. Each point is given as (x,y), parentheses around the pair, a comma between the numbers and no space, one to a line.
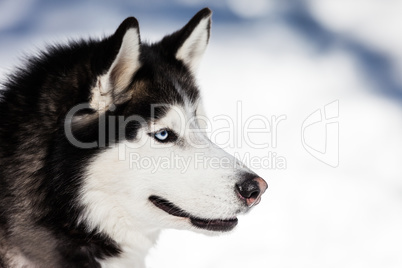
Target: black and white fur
(63,205)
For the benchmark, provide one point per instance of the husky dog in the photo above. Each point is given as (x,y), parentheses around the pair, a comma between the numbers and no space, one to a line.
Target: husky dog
(79,127)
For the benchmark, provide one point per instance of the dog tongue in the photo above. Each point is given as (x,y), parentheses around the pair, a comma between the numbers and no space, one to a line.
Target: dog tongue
(215,225)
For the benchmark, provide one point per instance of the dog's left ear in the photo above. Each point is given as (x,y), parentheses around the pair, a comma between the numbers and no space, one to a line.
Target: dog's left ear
(124,47)
(189,43)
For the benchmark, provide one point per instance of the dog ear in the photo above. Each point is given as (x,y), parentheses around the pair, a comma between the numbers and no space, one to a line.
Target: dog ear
(189,43)
(125,47)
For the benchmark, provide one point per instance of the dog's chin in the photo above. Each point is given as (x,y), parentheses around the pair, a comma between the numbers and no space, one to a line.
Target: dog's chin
(214,225)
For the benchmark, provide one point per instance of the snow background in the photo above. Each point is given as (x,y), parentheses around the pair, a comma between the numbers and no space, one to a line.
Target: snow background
(278,58)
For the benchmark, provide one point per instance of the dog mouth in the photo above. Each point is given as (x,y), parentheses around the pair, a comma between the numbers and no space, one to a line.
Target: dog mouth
(217,225)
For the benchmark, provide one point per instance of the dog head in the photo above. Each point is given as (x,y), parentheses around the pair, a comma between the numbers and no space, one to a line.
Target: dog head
(157,168)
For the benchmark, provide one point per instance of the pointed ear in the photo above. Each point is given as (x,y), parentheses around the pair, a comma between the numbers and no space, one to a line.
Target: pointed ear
(125,46)
(195,39)
(190,42)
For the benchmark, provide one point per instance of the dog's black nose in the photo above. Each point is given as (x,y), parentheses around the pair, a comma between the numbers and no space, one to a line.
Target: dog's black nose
(251,190)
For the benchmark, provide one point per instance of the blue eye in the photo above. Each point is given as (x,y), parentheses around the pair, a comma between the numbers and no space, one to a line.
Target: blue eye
(162,135)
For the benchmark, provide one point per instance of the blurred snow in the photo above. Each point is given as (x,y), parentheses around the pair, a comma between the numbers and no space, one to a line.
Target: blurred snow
(15,10)
(312,215)
(373,22)
(251,8)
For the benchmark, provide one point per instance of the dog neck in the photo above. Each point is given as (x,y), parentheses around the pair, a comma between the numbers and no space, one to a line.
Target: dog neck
(134,249)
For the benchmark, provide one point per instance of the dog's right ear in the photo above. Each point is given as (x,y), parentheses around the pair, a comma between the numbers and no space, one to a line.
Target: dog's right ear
(189,43)
(125,50)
